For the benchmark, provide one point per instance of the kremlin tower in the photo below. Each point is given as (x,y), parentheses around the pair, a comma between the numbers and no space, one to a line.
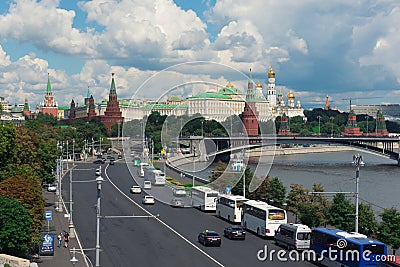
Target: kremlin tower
(284,128)
(250,113)
(49,106)
(113,114)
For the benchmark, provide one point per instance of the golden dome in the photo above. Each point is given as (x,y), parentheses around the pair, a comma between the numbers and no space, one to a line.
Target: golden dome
(271,72)
(229,85)
(259,85)
(290,96)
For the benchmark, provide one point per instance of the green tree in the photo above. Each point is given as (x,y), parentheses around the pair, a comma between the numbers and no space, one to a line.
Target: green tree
(389,228)
(15,227)
(367,224)
(276,191)
(341,213)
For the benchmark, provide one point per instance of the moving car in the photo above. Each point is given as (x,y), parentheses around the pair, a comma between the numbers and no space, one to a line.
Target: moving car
(293,236)
(52,187)
(209,238)
(112,162)
(179,192)
(119,157)
(135,189)
(147,185)
(177,202)
(235,232)
(98,161)
(148,200)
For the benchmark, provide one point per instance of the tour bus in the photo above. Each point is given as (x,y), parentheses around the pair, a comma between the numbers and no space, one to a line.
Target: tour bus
(229,207)
(293,236)
(141,168)
(262,218)
(205,198)
(156,177)
(340,248)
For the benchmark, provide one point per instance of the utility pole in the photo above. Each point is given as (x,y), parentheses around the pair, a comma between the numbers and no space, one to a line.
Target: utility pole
(71,223)
(99,180)
(357,161)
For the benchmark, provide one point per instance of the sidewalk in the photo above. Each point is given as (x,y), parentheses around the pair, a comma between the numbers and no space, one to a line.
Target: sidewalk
(59,223)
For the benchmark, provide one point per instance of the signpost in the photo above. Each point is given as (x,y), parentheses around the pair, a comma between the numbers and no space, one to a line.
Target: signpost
(48,216)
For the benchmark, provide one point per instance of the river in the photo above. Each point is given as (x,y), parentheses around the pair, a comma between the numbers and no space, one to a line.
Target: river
(379,182)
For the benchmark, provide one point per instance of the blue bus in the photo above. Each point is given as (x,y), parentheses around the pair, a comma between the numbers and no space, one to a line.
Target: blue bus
(336,247)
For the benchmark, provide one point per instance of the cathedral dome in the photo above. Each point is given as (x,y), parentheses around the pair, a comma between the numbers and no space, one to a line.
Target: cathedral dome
(259,85)
(271,72)
(290,96)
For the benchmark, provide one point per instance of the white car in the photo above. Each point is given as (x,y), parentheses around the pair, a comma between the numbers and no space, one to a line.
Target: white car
(147,185)
(136,189)
(52,188)
(148,200)
(179,192)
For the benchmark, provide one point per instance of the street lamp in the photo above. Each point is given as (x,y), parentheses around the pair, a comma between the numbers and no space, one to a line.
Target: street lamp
(367,117)
(74,260)
(357,161)
(202,131)
(332,118)
(319,125)
(99,180)
(71,223)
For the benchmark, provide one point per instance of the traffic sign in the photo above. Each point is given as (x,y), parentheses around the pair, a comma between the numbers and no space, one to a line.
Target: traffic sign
(48,215)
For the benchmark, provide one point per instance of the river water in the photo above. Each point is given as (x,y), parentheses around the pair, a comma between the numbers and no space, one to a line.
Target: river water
(379,182)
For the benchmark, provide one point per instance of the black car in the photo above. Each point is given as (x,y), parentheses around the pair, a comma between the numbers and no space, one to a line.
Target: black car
(209,238)
(119,156)
(98,161)
(235,232)
(112,162)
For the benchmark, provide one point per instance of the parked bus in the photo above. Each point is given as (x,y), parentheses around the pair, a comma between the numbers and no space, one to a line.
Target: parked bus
(293,236)
(262,218)
(156,177)
(340,248)
(141,168)
(229,207)
(205,198)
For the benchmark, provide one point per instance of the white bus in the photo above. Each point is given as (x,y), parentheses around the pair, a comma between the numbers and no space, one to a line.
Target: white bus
(205,198)
(229,207)
(156,177)
(141,168)
(262,218)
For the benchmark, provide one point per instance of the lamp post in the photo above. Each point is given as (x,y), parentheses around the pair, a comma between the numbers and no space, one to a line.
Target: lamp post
(99,180)
(71,223)
(357,161)
(59,174)
(74,260)
(319,125)
(367,117)
(332,118)
(202,131)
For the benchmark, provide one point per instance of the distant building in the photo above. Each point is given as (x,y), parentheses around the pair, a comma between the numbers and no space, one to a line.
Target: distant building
(388,110)
(352,128)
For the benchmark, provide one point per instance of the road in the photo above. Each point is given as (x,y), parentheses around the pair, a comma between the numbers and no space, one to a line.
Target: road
(168,240)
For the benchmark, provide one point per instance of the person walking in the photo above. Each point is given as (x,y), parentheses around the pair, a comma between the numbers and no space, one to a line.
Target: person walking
(66,239)
(59,238)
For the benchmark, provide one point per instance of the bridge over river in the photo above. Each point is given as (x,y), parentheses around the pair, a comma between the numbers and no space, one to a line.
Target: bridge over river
(384,146)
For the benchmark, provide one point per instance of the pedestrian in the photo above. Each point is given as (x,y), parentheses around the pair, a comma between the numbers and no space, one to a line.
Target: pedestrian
(59,238)
(66,239)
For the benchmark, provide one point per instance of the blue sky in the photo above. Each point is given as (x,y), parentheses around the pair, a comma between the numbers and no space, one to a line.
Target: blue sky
(344,49)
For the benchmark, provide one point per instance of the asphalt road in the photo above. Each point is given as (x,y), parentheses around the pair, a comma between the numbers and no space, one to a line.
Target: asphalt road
(170,239)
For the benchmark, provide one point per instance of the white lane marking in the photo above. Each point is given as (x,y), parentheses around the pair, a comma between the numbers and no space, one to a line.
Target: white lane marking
(162,222)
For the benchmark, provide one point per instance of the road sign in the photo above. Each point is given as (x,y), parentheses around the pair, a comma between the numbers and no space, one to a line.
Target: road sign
(48,215)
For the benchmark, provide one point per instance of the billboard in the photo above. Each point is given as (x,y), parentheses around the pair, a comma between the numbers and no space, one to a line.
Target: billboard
(47,246)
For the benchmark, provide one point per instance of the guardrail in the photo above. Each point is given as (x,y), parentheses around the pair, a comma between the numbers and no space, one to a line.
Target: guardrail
(170,165)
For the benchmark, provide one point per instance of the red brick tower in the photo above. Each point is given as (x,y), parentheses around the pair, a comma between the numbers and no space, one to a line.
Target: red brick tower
(381,125)
(351,128)
(49,106)
(92,109)
(113,114)
(250,113)
(26,110)
(284,128)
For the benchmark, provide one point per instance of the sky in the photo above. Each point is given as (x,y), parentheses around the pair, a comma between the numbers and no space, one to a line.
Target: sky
(159,48)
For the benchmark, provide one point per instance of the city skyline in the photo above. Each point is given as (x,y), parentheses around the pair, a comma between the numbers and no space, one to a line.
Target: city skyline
(344,50)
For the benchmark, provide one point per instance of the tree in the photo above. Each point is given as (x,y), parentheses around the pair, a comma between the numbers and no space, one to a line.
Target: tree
(15,227)
(366,220)
(341,213)
(389,228)
(276,191)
